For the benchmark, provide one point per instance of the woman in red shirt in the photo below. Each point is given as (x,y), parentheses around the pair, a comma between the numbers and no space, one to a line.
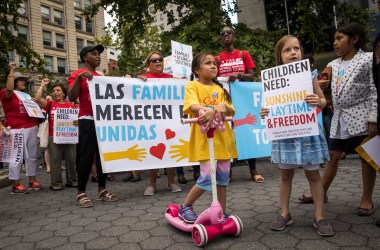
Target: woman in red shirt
(56,150)
(155,65)
(18,119)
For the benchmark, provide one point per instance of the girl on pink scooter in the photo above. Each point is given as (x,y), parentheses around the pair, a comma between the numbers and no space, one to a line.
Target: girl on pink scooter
(207,95)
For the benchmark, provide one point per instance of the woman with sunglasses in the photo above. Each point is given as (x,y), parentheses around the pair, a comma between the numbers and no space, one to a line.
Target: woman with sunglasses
(236,65)
(155,69)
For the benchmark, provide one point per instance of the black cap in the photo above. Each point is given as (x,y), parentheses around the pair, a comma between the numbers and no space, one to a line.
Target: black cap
(87,49)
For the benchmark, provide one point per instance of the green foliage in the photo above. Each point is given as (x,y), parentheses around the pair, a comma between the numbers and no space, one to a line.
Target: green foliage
(10,42)
(317,20)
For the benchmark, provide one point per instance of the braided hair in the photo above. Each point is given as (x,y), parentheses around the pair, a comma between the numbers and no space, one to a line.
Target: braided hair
(196,63)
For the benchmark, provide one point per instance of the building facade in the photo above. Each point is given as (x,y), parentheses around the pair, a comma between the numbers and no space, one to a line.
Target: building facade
(57,30)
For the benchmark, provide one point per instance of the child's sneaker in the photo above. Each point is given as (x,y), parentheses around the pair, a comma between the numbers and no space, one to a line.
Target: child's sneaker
(19,189)
(34,185)
(280,223)
(323,228)
(187,214)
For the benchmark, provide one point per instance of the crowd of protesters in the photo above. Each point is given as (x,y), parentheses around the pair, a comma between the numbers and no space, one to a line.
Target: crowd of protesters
(350,116)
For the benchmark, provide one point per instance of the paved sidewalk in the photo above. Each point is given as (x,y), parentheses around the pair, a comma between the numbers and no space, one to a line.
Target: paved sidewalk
(51,220)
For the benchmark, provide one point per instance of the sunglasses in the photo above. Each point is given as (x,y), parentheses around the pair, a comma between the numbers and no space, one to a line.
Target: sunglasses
(155,60)
(225,33)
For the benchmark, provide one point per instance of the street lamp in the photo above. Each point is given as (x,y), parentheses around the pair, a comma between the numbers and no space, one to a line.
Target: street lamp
(287,18)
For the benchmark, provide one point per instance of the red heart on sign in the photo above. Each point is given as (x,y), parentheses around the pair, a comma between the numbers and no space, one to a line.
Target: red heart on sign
(158,151)
(169,134)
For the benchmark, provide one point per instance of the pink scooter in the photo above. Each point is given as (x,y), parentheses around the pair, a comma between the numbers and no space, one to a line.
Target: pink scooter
(210,223)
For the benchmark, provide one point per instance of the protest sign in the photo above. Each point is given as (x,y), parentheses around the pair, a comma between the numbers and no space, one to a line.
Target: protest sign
(11,147)
(249,128)
(284,90)
(31,107)
(64,130)
(168,65)
(138,124)
(182,56)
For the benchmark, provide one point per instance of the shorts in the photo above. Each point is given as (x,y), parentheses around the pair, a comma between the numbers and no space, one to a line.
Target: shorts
(346,145)
(293,166)
(223,168)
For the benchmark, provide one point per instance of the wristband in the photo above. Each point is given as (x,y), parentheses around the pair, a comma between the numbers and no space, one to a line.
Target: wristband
(11,76)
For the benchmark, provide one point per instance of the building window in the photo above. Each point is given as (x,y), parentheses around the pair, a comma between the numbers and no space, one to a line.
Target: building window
(161,17)
(61,63)
(80,64)
(77,3)
(151,9)
(78,22)
(79,45)
(87,3)
(22,62)
(49,63)
(89,27)
(22,32)
(59,41)
(45,14)
(11,56)
(154,19)
(23,10)
(90,43)
(46,38)
(58,17)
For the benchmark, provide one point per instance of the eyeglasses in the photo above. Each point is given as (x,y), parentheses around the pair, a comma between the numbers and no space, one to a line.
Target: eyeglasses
(225,33)
(155,60)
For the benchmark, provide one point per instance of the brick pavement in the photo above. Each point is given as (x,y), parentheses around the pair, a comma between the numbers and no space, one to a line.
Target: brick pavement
(51,220)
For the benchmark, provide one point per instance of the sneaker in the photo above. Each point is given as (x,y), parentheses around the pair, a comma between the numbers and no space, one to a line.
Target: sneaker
(19,189)
(187,214)
(280,223)
(174,188)
(323,228)
(34,185)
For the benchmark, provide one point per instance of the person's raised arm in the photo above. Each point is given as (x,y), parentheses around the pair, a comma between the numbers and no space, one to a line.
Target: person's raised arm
(74,90)
(10,80)
(38,98)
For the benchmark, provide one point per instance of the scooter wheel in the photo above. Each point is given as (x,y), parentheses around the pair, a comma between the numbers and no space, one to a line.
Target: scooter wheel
(239,224)
(199,235)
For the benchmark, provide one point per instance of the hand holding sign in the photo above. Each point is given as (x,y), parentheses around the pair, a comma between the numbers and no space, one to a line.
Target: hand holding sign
(312,99)
(180,151)
(133,153)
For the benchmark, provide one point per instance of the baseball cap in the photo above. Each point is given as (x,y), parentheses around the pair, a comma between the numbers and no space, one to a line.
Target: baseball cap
(19,76)
(87,49)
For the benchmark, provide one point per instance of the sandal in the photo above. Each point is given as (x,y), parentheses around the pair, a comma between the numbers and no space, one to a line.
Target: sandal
(110,177)
(309,199)
(365,211)
(257,178)
(104,195)
(83,201)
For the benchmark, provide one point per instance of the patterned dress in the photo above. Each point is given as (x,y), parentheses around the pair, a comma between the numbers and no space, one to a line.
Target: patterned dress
(308,150)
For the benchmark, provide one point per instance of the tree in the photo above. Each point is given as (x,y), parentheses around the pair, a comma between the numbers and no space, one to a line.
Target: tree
(317,21)
(10,42)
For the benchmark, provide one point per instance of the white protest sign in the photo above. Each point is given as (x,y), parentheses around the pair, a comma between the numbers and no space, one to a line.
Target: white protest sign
(64,130)
(11,147)
(31,107)
(182,56)
(372,147)
(168,65)
(284,90)
(138,124)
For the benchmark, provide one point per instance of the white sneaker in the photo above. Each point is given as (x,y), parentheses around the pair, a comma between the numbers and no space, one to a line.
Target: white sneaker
(174,188)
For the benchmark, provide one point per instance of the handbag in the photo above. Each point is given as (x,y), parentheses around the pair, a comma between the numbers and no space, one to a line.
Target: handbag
(43,130)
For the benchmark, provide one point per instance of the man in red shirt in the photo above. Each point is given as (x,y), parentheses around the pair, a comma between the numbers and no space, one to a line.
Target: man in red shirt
(88,145)
(236,65)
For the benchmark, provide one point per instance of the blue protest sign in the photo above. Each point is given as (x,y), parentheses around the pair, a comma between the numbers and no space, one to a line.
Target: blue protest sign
(249,129)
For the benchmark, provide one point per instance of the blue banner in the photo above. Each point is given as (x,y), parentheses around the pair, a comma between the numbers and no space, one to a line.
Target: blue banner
(249,129)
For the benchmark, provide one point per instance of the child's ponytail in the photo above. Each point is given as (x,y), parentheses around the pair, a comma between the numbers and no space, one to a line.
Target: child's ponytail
(227,95)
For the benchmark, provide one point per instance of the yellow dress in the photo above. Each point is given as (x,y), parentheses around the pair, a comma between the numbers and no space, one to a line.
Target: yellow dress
(224,142)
